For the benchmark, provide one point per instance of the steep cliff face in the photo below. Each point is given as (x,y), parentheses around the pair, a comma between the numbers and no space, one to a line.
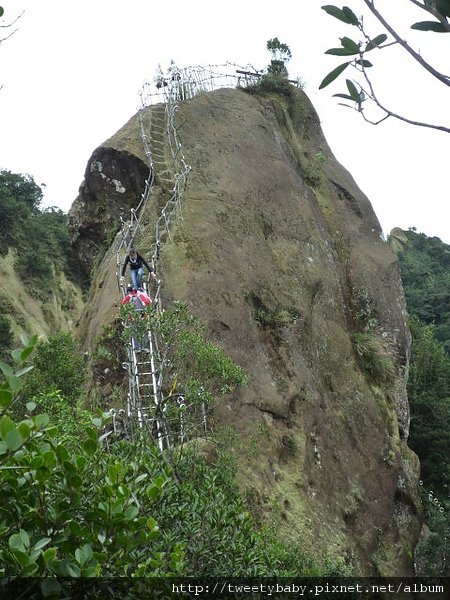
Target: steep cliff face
(281,255)
(111,187)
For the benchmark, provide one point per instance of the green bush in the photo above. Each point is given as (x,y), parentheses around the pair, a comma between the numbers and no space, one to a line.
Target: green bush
(74,508)
(58,365)
(272,83)
(195,370)
(206,511)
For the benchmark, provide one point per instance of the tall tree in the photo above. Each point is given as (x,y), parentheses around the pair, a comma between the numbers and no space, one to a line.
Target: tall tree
(281,54)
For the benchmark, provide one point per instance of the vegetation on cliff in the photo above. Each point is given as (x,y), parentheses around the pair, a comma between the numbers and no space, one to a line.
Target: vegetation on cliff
(78,506)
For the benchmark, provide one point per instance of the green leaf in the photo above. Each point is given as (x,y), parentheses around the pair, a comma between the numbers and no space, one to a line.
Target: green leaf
(26,353)
(131,512)
(41,544)
(6,369)
(92,433)
(24,339)
(80,556)
(73,570)
(153,491)
(21,557)
(14,383)
(75,481)
(364,63)
(6,425)
(352,90)
(30,406)
(140,478)
(90,447)
(24,370)
(23,429)
(15,542)
(88,552)
(25,538)
(49,459)
(345,96)
(435,26)
(5,398)
(36,462)
(350,44)
(43,474)
(337,13)
(353,19)
(16,354)
(41,421)
(332,75)
(61,453)
(341,52)
(3,448)
(379,39)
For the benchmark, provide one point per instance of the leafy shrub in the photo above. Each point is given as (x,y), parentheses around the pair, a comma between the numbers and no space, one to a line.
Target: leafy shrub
(74,510)
(196,371)
(272,83)
(206,511)
(58,365)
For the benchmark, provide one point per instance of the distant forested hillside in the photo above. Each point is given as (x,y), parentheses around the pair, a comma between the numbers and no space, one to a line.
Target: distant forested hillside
(38,235)
(425,267)
(40,273)
(425,270)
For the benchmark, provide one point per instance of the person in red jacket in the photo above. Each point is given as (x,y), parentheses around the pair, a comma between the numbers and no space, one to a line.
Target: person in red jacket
(139,300)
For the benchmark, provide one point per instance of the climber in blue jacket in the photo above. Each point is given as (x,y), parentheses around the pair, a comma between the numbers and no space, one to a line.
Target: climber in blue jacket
(137,263)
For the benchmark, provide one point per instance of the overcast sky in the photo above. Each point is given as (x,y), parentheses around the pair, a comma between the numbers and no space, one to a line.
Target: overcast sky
(72,72)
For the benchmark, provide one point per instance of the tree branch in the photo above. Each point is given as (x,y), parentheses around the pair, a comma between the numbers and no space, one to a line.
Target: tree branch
(433,12)
(441,77)
(390,113)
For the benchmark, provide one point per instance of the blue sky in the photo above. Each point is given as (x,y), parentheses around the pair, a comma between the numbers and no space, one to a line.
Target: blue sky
(72,72)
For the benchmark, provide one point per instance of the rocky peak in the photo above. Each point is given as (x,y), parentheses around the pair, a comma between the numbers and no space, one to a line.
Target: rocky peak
(281,255)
